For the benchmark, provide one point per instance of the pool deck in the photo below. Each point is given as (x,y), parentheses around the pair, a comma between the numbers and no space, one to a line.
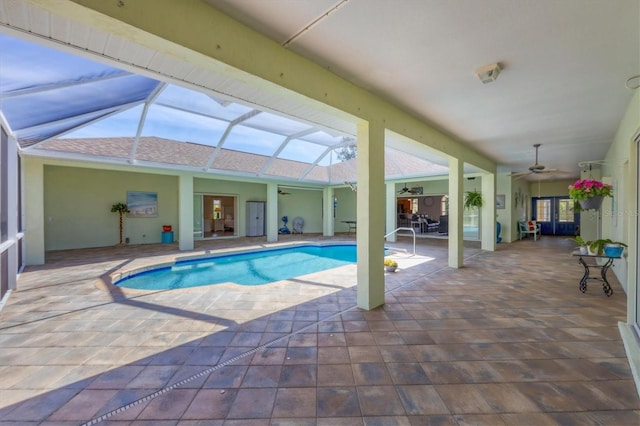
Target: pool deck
(506,340)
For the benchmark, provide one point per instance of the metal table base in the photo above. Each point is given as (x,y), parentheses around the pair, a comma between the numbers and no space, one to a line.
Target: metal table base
(606,287)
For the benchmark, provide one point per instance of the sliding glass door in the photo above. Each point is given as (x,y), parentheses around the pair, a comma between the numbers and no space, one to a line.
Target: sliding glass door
(214,216)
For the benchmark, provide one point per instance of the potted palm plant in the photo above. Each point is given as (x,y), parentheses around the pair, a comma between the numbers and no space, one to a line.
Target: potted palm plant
(121,209)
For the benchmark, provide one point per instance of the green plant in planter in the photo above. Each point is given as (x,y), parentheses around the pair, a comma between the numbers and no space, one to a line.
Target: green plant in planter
(121,209)
(581,243)
(390,263)
(579,240)
(472,199)
(597,246)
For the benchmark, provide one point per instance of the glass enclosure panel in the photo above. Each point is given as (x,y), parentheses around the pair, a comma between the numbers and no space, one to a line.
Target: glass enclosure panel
(276,124)
(176,125)
(471,224)
(197,216)
(299,150)
(4,187)
(122,124)
(242,138)
(199,103)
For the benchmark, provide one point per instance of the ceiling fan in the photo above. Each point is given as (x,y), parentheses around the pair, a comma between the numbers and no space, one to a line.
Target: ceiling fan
(407,190)
(535,168)
(281,192)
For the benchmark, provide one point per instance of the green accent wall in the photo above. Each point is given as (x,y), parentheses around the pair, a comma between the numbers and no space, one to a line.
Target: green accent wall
(77,207)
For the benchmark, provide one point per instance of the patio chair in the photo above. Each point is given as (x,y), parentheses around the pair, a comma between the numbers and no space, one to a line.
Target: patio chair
(526,228)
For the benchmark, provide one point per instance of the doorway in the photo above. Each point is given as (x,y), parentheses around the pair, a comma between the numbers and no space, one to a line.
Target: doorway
(214,216)
(555,215)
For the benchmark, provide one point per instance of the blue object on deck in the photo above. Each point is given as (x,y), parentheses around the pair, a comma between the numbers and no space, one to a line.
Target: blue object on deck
(284,229)
(167,237)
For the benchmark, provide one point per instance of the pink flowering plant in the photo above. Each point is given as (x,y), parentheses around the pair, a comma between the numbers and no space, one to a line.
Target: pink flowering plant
(586,188)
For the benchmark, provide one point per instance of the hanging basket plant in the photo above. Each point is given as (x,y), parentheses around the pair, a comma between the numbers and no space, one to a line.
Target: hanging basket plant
(588,194)
(473,199)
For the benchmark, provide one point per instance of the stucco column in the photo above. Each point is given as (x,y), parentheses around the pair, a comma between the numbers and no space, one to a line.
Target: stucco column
(185,212)
(34,212)
(272,219)
(327,215)
(488,212)
(391,211)
(456,204)
(370,215)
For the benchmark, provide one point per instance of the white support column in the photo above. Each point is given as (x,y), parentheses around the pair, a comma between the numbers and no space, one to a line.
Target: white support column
(391,211)
(272,219)
(34,212)
(456,205)
(370,215)
(488,212)
(328,220)
(185,212)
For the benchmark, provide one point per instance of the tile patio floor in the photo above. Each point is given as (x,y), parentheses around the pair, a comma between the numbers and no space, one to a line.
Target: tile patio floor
(506,340)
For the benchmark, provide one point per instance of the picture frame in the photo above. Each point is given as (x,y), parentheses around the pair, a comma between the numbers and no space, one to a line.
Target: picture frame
(142,204)
(500,201)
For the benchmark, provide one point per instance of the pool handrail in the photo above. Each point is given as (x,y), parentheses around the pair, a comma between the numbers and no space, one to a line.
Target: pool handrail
(402,228)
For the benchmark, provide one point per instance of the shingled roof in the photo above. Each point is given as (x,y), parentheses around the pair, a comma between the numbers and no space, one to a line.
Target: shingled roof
(160,152)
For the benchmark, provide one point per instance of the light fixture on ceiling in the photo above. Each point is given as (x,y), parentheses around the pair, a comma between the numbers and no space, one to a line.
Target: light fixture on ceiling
(488,73)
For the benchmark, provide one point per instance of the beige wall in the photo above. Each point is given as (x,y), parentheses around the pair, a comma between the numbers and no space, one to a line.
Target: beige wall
(77,207)
(620,213)
(304,203)
(552,188)
(346,209)
(622,166)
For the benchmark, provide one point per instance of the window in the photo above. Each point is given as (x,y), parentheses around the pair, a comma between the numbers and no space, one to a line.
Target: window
(565,211)
(543,211)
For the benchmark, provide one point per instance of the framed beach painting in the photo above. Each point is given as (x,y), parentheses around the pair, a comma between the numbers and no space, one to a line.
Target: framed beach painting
(142,204)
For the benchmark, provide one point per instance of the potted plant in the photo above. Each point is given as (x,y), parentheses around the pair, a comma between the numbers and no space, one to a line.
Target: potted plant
(121,209)
(390,265)
(473,199)
(588,194)
(582,244)
(607,247)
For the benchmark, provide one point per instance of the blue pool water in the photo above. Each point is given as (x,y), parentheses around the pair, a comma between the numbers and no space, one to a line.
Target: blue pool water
(254,268)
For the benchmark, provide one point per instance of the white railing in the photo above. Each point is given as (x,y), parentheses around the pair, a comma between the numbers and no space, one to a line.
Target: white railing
(402,228)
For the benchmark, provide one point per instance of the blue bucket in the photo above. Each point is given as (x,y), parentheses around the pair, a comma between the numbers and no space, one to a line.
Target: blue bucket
(613,251)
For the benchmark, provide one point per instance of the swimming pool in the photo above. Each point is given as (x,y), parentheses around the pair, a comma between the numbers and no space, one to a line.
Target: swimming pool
(250,269)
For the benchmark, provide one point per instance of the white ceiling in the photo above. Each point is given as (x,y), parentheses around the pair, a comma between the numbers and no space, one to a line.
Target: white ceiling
(565,64)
